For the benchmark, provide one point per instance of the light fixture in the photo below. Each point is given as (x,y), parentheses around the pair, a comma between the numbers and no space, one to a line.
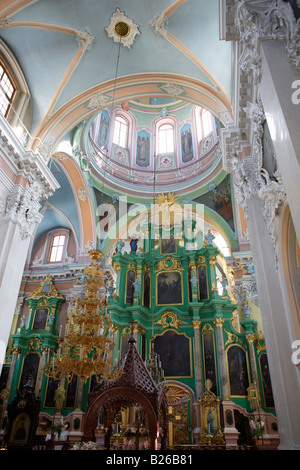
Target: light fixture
(122,29)
(86,349)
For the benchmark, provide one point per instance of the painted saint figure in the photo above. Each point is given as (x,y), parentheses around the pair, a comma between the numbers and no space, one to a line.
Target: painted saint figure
(142,153)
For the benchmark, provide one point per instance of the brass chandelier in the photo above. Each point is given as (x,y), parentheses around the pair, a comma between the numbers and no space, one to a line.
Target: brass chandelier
(86,349)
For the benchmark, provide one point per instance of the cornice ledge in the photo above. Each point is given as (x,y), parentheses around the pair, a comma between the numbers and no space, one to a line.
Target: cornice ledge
(24,162)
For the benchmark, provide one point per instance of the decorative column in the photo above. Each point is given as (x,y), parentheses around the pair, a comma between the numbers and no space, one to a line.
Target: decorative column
(212,253)
(27,182)
(198,378)
(41,375)
(198,358)
(118,269)
(218,323)
(262,199)
(194,281)
(279,82)
(16,353)
(138,298)
(251,338)
(277,326)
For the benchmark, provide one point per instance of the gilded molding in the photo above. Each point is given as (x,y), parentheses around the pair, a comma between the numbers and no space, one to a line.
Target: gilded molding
(232,338)
(45,289)
(173,322)
(164,265)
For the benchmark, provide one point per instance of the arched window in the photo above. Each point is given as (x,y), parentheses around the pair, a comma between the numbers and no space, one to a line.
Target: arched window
(57,248)
(14,93)
(7,90)
(204,123)
(121,132)
(165,138)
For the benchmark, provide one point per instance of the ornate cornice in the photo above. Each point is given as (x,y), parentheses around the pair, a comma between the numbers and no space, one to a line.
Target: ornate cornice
(25,163)
(247,182)
(22,207)
(250,21)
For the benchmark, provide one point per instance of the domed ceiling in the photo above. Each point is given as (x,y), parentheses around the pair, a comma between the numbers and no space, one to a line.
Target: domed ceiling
(140,167)
(87,57)
(76,62)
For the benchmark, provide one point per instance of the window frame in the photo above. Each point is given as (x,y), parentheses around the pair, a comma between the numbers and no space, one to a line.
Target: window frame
(49,245)
(12,83)
(199,112)
(19,115)
(208,120)
(120,118)
(161,123)
(59,245)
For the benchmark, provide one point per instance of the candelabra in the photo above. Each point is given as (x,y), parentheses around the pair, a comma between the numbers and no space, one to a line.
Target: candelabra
(86,349)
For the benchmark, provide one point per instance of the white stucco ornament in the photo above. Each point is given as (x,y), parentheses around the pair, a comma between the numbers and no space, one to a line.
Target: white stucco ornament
(122,29)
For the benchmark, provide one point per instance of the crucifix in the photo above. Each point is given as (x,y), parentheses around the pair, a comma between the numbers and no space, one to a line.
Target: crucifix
(132,322)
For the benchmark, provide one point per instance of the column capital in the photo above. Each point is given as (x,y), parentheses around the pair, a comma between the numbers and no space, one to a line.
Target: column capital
(22,207)
(196,324)
(17,350)
(250,337)
(219,322)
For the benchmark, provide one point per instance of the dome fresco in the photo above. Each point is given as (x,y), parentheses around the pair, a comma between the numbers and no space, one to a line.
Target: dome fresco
(153,146)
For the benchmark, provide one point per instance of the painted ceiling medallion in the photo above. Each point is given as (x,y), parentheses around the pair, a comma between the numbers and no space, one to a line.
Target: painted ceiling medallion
(122,29)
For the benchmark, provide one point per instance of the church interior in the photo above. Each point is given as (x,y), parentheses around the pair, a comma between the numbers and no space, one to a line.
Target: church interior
(149,225)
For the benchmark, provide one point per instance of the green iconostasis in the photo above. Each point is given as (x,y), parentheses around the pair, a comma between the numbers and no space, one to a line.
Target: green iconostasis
(180,311)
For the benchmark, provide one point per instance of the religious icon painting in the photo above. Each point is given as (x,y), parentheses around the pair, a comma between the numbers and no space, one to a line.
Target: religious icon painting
(187,144)
(168,245)
(238,371)
(169,288)
(210,360)
(130,279)
(143,149)
(202,282)
(174,353)
(267,386)
(146,290)
(40,319)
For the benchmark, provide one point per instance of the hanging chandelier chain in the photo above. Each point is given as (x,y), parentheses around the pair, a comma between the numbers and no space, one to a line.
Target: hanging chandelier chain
(112,105)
